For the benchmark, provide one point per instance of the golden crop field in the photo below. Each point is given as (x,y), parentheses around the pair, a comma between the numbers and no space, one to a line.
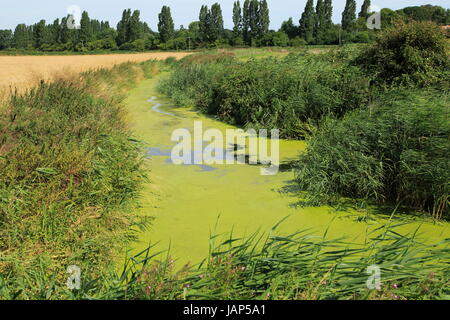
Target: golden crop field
(24,71)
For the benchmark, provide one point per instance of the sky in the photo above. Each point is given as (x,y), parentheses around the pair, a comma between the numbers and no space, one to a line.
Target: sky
(14,12)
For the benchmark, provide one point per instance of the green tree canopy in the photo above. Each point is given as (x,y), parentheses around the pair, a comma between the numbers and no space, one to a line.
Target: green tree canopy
(6,39)
(307,22)
(216,22)
(204,23)
(365,9)
(237,18)
(135,27)
(166,26)
(264,18)
(85,32)
(122,27)
(289,28)
(23,36)
(349,16)
(40,34)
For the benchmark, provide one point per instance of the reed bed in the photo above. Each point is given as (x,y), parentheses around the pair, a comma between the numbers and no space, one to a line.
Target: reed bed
(300,266)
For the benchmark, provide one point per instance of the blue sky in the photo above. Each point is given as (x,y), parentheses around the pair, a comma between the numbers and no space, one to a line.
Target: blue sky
(14,12)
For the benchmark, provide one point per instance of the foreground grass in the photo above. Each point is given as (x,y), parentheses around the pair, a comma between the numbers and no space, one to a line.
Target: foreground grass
(69,174)
(300,266)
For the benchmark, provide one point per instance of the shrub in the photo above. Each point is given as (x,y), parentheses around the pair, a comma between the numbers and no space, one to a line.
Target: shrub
(298,42)
(137,45)
(396,151)
(275,39)
(361,37)
(413,53)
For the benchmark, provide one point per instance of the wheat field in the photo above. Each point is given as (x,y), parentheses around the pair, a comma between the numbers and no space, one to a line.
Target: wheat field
(22,72)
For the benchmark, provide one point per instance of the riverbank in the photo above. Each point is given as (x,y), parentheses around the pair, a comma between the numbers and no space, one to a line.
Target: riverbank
(70,174)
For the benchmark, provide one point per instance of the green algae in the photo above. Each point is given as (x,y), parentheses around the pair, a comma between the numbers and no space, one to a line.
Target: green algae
(189,203)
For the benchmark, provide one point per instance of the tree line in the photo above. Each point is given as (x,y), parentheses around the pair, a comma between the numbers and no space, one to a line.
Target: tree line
(251,20)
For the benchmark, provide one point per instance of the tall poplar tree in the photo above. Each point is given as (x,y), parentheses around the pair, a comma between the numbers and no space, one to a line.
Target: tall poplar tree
(254,19)
(264,18)
(204,23)
(39,34)
(122,27)
(307,22)
(237,18)
(320,24)
(135,27)
(21,38)
(349,16)
(365,9)
(85,32)
(328,5)
(246,22)
(67,35)
(216,22)
(56,32)
(166,26)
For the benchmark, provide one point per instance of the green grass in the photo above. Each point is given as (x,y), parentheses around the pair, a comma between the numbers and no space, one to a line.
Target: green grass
(70,174)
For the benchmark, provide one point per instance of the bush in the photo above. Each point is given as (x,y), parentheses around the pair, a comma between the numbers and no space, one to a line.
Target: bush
(413,53)
(298,42)
(396,151)
(361,37)
(275,39)
(137,45)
